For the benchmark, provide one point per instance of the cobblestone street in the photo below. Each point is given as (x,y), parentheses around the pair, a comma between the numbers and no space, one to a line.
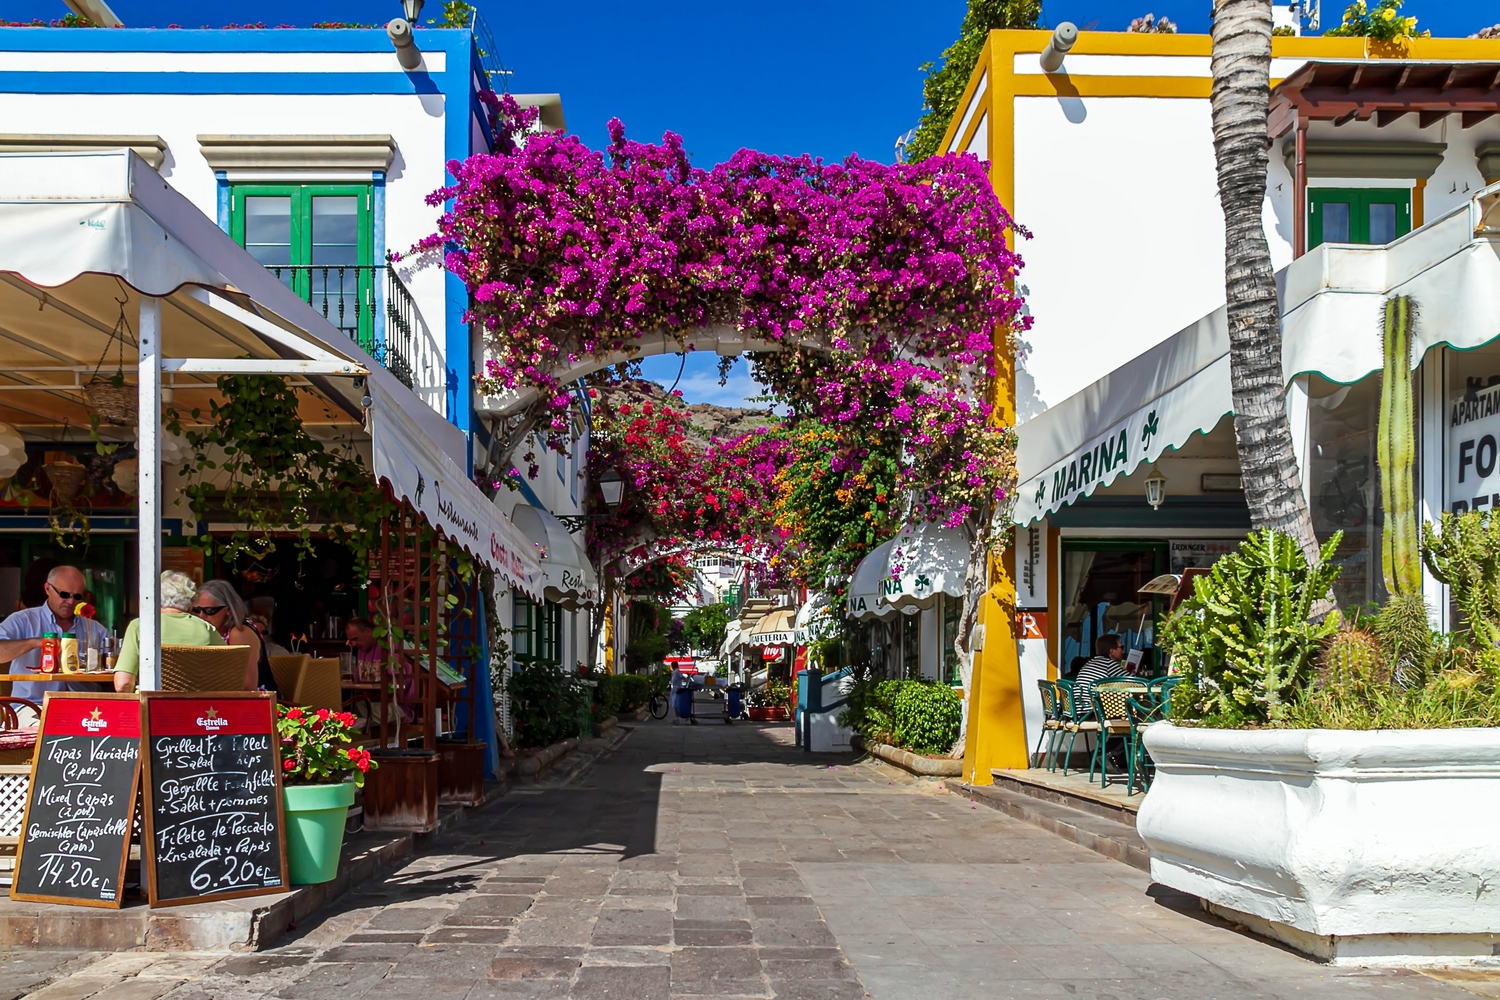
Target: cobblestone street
(716,861)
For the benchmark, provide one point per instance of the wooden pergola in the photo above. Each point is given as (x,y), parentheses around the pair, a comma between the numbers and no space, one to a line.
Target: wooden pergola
(1386,91)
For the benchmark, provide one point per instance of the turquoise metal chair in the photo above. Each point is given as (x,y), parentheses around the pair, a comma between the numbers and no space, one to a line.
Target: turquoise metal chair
(1109,710)
(1074,720)
(1052,726)
(1140,715)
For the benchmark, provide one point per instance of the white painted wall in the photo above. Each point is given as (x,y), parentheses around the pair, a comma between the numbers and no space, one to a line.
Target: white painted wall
(416,124)
(1127,239)
(1121,199)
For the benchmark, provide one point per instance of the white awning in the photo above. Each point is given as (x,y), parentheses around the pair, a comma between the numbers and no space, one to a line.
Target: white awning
(925,560)
(569,578)
(909,571)
(1153,402)
(867,587)
(438,489)
(1332,299)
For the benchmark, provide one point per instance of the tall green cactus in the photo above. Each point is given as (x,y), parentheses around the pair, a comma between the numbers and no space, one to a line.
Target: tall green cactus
(1395,449)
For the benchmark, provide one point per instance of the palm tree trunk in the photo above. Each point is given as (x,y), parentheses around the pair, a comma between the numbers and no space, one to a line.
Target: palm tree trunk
(1241,103)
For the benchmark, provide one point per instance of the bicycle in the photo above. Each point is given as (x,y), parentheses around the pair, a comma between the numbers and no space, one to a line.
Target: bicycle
(658,704)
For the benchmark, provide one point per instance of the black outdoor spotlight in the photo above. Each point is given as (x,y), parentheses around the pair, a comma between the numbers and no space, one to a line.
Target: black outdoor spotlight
(400,33)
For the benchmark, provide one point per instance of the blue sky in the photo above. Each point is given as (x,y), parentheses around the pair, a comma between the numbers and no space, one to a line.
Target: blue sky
(828,77)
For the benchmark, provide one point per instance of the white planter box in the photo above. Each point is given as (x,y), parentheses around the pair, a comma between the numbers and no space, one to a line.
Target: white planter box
(1360,848)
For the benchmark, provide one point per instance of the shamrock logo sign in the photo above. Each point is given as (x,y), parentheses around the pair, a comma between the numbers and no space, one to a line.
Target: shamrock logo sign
(1041,490)
(1149,429)
(922,582)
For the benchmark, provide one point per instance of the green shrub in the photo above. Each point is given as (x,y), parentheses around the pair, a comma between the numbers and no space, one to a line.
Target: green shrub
(927,717)
(635,690)
(644,650)
(546,704)
(608,695)
(1244,642)
(916,715)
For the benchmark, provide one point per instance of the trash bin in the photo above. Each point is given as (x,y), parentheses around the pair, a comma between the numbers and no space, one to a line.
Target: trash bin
(734,702)
(685,703)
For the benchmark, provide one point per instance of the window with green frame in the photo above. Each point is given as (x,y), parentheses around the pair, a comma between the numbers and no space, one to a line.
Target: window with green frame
(536,631)
(318,239)
(1357,215)
(952,610)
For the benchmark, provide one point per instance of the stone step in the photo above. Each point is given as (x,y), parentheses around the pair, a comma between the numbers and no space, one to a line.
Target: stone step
(1102,834)
(250,923)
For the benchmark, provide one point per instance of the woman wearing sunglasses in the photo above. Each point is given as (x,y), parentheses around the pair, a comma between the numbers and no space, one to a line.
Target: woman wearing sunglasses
(220,606)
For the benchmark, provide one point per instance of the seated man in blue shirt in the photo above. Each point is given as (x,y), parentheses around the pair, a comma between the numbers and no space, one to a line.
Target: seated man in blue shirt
(21,633)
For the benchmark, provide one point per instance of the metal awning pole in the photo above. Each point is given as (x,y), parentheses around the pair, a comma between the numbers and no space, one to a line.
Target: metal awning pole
(148,419)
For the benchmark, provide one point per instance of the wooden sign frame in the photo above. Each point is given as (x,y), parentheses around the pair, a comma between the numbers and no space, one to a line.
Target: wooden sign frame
(48,700)
(148,847)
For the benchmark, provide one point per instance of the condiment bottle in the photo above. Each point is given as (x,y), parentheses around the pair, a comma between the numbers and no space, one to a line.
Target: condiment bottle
(51,649)
(93,658)
(68,653)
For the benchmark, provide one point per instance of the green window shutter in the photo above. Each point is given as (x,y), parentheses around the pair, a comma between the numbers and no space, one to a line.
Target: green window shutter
(322,236)
(1357,215)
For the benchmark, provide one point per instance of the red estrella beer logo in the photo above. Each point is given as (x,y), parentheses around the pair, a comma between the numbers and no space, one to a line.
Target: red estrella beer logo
(210,720)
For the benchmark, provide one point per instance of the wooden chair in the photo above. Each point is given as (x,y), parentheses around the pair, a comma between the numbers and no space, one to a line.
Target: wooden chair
(319,686)
(288,671)
(17,742)
(203,668)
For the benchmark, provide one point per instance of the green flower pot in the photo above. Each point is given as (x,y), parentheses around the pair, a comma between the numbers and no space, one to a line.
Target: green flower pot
(315,817)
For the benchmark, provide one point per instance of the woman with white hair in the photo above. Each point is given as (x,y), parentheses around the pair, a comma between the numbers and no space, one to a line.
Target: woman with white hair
(220,605)
(179,627)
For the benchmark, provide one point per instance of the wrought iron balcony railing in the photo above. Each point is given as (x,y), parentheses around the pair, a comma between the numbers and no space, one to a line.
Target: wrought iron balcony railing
(346,296)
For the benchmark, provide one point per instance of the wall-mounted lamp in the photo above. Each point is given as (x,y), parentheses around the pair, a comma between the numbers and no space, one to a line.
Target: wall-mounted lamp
(612,486)
(1059,45)
(1156,489)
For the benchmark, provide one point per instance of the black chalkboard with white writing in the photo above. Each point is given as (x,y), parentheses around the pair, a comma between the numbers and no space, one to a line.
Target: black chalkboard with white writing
(213,797)
(75,834)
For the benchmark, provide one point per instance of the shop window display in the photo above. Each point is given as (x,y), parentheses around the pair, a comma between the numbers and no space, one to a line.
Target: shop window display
(1345,484)
(1101,584)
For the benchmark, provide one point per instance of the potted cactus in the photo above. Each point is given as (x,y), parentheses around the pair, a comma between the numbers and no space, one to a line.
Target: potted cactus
(1335,783)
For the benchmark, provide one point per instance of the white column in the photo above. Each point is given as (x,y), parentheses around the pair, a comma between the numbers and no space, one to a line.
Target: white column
(149,420)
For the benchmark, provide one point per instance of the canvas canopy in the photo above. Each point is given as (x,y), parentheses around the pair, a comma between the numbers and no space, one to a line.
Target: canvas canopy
(1332,300)
(775,629)
(909,571)
(106,270)
(567,577)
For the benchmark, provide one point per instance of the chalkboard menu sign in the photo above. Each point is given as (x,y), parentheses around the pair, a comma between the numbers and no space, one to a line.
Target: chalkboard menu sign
(75,834)
(213,798)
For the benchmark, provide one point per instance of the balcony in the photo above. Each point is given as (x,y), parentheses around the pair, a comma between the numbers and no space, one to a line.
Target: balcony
(346,295)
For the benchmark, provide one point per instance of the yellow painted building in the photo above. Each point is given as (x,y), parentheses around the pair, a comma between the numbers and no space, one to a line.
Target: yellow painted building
(1108,165)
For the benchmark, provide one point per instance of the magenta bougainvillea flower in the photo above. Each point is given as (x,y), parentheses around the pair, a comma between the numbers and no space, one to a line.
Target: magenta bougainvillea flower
(884,292)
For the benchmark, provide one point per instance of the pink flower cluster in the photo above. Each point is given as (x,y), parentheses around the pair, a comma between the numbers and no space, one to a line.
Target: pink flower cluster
(887,289)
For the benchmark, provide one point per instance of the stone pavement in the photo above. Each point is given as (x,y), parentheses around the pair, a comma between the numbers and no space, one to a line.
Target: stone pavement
(715,861)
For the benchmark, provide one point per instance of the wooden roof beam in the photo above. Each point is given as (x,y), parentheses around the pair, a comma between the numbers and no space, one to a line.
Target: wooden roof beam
(1449,80)
(1472,118)
(1405,75)
(1346,119)
(1428,118)
(1359,72)
(1389,116)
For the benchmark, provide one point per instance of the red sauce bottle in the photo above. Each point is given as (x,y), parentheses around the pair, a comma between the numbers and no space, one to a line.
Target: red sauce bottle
(51,652)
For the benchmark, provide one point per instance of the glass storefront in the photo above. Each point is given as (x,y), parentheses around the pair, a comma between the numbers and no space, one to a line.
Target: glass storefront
(1101,584)
(1345,482)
